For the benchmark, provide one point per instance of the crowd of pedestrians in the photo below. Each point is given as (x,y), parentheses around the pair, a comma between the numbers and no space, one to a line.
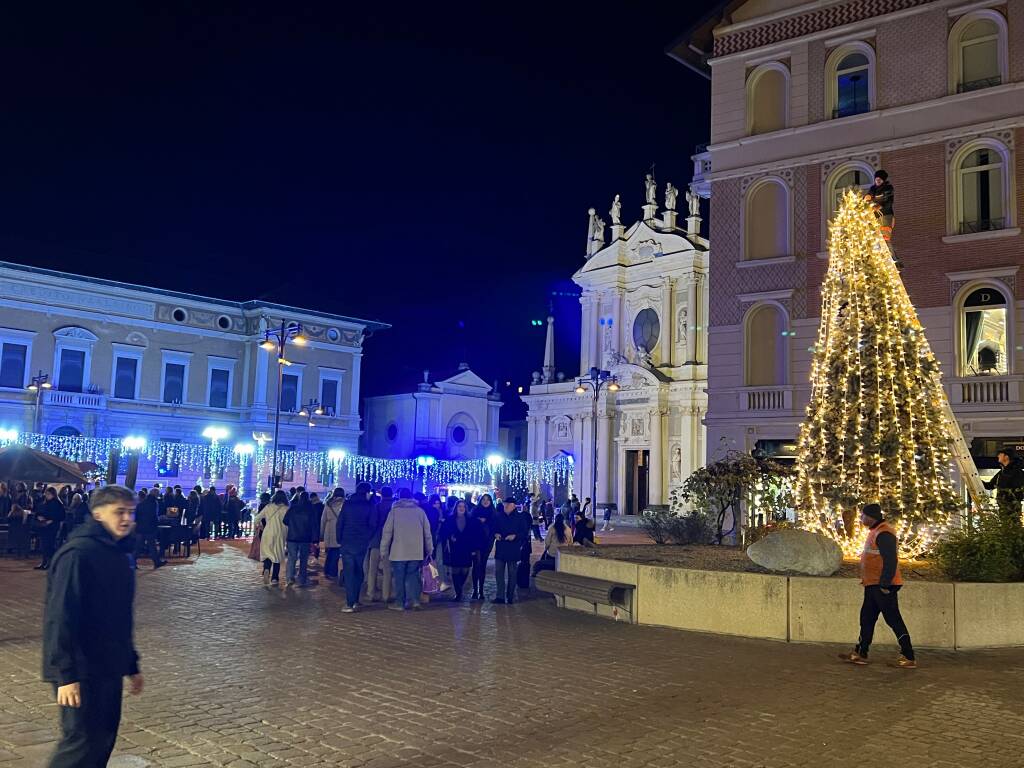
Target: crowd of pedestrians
(383,546)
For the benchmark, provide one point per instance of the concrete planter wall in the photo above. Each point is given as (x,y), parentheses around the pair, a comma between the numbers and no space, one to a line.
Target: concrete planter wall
(809,609)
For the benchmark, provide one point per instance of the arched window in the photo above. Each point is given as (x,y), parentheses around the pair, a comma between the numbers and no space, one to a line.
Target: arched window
(977,51)
(848,176)
(984,347)
(767,98)
(850,80)
(981,188)
(766,333)
(766,220)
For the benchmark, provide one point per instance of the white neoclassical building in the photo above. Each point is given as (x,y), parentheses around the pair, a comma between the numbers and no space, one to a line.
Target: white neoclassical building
(644,308)
(455,418)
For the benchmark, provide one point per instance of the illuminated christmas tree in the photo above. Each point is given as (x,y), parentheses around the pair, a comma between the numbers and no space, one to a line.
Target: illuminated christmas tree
(875,429)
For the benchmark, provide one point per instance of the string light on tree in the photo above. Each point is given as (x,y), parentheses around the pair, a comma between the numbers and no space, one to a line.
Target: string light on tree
(875,429)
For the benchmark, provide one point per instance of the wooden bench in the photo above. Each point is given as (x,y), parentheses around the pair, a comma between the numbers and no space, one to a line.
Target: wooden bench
(583,593)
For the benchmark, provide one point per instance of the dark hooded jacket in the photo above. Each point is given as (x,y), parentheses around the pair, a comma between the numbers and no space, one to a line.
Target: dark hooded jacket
(357,523)
(87,621)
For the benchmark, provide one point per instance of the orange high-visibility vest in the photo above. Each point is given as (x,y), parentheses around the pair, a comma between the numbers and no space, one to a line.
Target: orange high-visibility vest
(871,558)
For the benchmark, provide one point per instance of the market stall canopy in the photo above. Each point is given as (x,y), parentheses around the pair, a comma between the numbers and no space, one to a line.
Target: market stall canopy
(21,464)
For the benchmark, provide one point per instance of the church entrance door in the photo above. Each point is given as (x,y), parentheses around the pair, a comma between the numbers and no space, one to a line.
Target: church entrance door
(637,463)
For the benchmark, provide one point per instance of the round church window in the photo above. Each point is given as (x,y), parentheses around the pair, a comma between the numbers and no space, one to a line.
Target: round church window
(459,435)
(392,431)
(646,329)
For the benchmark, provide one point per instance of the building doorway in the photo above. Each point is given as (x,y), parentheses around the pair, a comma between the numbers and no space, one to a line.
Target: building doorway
(637,463)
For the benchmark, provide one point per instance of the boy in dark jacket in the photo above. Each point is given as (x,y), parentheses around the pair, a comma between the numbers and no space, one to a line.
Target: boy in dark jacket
(510,527)
(87,630)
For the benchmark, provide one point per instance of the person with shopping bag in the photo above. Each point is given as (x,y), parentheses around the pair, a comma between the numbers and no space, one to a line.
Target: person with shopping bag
(406,541)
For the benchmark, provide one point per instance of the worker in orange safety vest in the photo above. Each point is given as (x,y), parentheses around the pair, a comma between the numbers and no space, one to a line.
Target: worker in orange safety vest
(880,575)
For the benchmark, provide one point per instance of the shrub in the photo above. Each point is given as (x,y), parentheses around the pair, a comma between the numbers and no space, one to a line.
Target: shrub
(668,528)
(992,550)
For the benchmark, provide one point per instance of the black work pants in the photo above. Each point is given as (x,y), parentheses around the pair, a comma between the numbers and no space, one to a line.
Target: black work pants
(876,602)
(150,546)
(90,730)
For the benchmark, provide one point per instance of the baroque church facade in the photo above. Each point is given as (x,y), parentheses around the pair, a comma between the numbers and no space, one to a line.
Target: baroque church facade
(644,309)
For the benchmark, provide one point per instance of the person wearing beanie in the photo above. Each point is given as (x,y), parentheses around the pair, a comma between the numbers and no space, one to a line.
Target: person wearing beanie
(880,576)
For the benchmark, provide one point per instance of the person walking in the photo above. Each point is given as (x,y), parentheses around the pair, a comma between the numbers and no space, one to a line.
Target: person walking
(461,539)
(49,516)
(1008,484)
(299,521)
(536,516)
(406,542)
(484,513)
(510,528)
(272,541)
(329,532)
(356,525)
(88,648)
(378,569)
(881,578)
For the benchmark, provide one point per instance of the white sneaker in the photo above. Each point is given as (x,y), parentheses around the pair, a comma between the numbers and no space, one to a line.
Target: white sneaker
(349,609)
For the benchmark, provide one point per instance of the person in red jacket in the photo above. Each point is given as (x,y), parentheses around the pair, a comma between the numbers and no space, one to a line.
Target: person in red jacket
(880,575)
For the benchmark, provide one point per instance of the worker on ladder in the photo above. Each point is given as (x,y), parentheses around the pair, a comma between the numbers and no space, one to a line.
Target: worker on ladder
(882,195)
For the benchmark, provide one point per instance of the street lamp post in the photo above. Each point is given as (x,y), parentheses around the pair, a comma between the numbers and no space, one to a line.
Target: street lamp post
(310,408)
(276,339)
(596,380)
(40,382)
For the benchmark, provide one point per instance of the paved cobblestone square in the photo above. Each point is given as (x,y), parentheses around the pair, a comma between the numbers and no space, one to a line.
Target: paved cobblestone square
(241,675)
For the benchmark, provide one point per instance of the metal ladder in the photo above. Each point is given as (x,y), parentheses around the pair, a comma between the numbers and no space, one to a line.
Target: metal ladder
(961,452)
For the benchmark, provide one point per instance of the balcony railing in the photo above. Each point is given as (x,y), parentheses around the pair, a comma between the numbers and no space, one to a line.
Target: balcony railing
(985,390)
(763,399)
(74,399)
(981,225)
(977,85)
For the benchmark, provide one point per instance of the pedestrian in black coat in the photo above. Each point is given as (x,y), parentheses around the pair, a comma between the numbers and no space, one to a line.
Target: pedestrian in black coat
(147,530)
(49,515)
(210,508)
(462,539)
(87,631)
(483,512)
(1008,484)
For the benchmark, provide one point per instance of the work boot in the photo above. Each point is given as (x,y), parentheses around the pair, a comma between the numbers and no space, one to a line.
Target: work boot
(853,657)
(902,662)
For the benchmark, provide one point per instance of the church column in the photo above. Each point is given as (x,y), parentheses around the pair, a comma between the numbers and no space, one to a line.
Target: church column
(656,489)
(594,356)
(604,460)
(577,456)
(687,447)
(586,329)
(692,312)
(585,465)
(668,326)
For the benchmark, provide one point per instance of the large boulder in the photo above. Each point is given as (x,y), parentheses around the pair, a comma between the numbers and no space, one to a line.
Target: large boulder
(797,551)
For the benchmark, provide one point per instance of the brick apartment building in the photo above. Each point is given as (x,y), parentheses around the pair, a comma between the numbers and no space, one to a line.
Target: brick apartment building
(808,98)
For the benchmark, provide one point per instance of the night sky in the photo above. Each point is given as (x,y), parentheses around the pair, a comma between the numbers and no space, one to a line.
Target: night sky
(426,165)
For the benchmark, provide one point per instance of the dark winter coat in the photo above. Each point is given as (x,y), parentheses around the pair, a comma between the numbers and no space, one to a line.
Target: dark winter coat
(383,508)
(460,546)
(147,517)
(883,195)
(299,521)
(504,525)
(210,507)
(486,517)
(1008,483)
(51,510)
(357,523)
(87,622)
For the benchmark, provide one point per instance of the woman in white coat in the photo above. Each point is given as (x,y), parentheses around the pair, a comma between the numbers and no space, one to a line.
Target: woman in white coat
(272,545)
